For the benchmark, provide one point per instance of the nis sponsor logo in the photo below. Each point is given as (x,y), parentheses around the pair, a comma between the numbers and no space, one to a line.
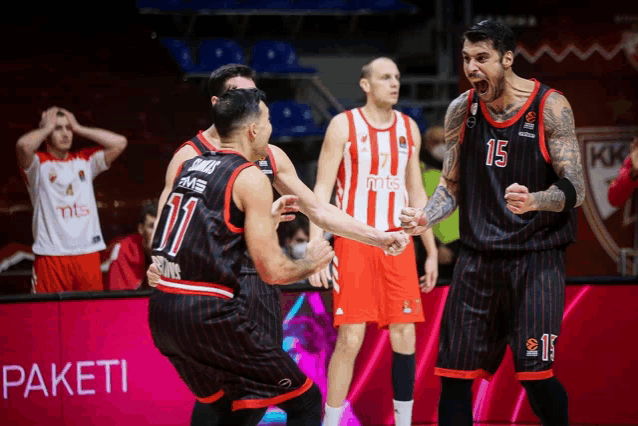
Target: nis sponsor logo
(388,183)
(76,210)
(73,378)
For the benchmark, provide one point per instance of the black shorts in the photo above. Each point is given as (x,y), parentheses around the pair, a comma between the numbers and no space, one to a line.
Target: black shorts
(219,348)
(263,304)
(501,298)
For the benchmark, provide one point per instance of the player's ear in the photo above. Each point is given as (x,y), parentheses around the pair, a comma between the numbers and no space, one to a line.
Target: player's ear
(508,59)
(252,131)
(364,84)
(213,100)
(140,228)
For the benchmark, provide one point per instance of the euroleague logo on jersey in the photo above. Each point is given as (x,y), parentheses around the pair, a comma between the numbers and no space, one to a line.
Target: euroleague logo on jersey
(81,175)
(402,142)
(530,117)
(52,176)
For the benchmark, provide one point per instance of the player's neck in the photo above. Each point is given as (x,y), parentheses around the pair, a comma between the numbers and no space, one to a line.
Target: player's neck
(242,147)
(517,91)
(378,115)
(212,136)
(57,153)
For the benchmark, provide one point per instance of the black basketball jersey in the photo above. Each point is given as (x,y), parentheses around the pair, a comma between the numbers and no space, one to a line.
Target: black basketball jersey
(199,237)
(495,155)
(267,165)
(201,145)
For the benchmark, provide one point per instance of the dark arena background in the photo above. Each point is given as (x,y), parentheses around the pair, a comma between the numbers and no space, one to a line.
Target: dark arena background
(140,68)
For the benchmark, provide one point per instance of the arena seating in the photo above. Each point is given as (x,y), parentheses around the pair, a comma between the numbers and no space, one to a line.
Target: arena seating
(292,120)
(217,52)
(277,57)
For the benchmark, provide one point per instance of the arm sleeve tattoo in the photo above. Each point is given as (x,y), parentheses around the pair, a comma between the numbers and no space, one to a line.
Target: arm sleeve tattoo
(444,200)
(564,152)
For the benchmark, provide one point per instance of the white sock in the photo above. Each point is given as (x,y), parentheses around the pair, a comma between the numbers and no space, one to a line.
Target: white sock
(403,412)
(332,416)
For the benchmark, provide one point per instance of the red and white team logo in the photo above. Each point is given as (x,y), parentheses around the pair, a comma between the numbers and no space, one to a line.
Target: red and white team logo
(52,176)
(81,175)
(530,117)
(603,151)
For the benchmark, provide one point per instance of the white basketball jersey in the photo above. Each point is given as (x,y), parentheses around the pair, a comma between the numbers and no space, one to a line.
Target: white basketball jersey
(371,178)
(65,219)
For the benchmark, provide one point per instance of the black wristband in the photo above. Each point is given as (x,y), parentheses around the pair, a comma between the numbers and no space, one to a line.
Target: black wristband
(568,189)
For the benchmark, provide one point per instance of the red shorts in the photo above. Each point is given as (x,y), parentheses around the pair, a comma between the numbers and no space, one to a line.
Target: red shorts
(370,286)
(66,273)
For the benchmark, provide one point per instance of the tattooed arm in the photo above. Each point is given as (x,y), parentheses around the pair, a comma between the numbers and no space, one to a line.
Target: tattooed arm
(560,134)
(444,200)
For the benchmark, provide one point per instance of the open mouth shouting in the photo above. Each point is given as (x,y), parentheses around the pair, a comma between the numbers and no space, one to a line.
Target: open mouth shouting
(481,87)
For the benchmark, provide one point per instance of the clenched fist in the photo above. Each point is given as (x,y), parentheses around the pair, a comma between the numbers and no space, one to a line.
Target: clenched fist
(395,242)
(518,198)
(413,221)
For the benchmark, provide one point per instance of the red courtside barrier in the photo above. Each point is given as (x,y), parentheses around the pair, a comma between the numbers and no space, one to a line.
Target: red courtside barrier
(92,361)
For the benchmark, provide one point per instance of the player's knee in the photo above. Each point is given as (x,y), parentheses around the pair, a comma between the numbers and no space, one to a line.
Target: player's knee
(350,340)
(403,336)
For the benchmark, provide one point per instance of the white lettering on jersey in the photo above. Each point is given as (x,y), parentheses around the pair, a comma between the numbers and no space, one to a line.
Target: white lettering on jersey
(167,269)
(193,183)
(204,166)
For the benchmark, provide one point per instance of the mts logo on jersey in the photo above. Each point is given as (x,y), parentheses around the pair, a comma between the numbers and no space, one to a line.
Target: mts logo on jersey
(192,183)
(388,183)
(204,166)
(75,210)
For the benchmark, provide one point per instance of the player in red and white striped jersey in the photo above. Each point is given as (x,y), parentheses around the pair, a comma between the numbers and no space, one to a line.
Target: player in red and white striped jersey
(66,228)
(372,155)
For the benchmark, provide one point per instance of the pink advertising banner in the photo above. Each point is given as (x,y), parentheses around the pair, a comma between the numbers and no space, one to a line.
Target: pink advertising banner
(78,362)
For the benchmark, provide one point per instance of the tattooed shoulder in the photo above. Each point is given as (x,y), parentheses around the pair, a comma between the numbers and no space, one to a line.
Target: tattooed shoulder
(455,116)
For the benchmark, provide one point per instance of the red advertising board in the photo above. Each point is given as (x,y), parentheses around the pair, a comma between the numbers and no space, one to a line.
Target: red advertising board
(77,362)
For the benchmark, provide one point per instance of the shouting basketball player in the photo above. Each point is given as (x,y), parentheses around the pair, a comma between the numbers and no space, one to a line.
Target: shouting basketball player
(513,168)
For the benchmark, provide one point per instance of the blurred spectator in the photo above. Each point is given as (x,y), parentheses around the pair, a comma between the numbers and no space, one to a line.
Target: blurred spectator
(66,229)
(131,256)
(293,236)
(622,187)
(447,232)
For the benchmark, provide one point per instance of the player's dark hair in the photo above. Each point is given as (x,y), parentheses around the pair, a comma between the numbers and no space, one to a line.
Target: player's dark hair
(235,107)
(501,36)
(219,77)
(149,208)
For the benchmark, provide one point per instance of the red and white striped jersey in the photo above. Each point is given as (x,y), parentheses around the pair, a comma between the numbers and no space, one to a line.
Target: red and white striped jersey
(371,178)
(65,219)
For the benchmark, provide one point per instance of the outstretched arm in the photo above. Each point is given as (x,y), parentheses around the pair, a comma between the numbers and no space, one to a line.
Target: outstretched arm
(321,213)
(252,194)
(113,143)
(445,198)
(562,144)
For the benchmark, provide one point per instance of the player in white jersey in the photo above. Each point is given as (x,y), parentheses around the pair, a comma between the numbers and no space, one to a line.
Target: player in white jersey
(66,228)
(372,155)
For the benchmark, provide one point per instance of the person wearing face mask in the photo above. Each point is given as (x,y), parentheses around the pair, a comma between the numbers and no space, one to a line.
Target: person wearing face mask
(446,232)
(295,237)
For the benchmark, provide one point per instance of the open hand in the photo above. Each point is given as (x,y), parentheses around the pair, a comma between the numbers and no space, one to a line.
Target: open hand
(282,208)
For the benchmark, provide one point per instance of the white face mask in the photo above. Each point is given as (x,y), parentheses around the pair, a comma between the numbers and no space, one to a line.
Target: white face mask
(298,251)
(438,152)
